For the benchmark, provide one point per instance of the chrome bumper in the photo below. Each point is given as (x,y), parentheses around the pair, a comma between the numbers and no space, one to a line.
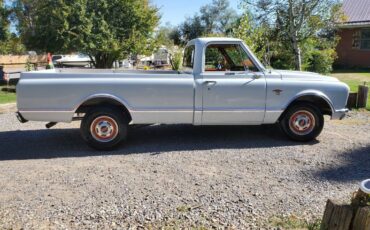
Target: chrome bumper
(339,114)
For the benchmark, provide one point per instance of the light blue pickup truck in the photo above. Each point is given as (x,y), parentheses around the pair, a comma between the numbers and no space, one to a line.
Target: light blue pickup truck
(221,83)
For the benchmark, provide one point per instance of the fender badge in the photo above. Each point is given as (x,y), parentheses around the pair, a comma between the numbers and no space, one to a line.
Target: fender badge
(278,91)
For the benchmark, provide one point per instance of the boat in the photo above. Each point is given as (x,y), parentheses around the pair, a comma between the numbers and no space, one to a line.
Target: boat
(79,60)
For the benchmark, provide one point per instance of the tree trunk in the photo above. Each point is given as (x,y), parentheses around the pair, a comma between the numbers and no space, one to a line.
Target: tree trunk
(297,55)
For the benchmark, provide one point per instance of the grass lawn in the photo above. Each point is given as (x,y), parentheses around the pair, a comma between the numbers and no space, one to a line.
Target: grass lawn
(6,97)
(354,79)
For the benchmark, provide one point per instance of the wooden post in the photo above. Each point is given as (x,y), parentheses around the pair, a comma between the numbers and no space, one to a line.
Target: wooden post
(352,101)
(337,216)
(362,96)
(362,219)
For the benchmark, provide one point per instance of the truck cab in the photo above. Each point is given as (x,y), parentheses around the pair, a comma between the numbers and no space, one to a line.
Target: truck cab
(230,83)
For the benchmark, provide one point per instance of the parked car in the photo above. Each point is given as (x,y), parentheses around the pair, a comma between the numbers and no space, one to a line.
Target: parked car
(222,83)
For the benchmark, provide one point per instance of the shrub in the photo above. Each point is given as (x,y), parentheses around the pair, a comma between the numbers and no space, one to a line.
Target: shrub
(321,61)
(177,60)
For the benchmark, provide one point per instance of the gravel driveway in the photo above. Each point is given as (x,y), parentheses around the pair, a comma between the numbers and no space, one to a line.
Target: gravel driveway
(176,175)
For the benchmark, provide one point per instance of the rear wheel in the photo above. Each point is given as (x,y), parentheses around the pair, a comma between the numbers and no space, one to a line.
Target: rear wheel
(104,128)
(302,122)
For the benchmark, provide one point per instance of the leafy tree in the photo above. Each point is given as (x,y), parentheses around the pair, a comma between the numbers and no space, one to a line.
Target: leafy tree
(192,28)
(216,18)
(168,36)
(295,21)
(175,36)
(4,22)
(9,43)
(13,45)
(106,30)
(256,36)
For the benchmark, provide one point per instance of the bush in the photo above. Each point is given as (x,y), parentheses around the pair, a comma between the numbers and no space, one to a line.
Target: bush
(321,61)
(177,60)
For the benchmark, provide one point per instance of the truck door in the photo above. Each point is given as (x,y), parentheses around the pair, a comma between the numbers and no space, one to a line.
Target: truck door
(234,89)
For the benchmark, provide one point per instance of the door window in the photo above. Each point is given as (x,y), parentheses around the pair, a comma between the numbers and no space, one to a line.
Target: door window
(228,57)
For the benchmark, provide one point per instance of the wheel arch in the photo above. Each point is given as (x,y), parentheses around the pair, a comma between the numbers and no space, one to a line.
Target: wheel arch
(102,100)
(318,99)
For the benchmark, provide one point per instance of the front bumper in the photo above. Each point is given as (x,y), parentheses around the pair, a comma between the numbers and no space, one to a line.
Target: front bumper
(339,114)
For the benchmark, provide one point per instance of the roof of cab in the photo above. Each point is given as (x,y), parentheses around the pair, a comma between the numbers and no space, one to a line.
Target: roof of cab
(213,39)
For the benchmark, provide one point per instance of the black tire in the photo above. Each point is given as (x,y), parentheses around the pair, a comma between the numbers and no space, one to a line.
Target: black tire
(298,117)
(109,119)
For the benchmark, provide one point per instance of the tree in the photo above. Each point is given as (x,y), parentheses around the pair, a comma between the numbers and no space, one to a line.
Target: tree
(256,36)
(9,43)
(216,18)
(13,45)
(192,28)
(4,22)
(106,30)
(295,20)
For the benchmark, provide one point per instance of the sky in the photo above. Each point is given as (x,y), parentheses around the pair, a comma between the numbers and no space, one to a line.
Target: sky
(175,11)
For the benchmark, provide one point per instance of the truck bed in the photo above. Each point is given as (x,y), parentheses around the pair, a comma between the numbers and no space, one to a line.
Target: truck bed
(55,95)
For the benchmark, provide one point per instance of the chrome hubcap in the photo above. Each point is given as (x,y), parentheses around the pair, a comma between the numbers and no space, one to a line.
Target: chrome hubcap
(302,122)
(104,129)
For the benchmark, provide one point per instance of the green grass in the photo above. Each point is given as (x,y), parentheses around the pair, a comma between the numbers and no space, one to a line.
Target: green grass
(293,222)
(354,78)
(6,97)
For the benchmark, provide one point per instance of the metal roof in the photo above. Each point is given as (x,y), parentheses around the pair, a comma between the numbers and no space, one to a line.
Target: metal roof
(357,11)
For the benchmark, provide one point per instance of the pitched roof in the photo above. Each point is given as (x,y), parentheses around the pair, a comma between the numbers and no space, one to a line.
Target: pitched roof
(357,11)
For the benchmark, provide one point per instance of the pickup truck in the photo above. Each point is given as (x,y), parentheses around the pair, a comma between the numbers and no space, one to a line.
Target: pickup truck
(221,83)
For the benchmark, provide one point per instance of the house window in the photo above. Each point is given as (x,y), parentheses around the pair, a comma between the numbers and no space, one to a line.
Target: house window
(361,39)
(365,39)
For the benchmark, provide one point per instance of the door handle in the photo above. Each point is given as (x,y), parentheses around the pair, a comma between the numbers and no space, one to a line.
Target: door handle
(210,83)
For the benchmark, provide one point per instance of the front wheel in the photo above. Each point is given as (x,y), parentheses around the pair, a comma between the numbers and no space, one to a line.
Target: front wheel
(302,122)
(104,128)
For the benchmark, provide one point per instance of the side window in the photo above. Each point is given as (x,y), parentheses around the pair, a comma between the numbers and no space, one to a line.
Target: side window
(188,62)
(228,57)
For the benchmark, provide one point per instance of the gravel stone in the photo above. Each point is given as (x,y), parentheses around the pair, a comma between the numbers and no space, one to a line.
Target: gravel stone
(176,175)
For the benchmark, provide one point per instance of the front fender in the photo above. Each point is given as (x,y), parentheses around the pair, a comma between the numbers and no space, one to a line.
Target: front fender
(314,93)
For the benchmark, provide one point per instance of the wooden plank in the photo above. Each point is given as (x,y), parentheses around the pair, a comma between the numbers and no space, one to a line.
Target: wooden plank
(362,219)
(337,216)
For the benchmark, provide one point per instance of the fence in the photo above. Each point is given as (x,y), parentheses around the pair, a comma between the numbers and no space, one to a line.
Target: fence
(9,61)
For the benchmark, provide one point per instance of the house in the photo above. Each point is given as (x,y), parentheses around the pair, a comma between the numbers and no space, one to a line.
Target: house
(354,46)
